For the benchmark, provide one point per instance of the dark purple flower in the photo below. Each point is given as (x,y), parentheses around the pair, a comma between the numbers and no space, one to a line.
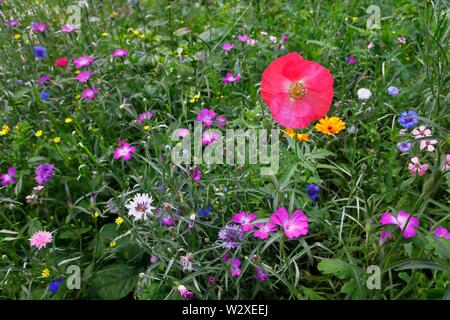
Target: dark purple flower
(261,274)
(42,80)
(312,190)
(350,59)
(196,174)
(39,52)
(54,285)
(44,172)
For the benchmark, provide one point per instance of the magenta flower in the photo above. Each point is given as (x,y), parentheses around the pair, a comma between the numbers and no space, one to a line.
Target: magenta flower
(145,115)
(221,121)
(441,232)
(294,226)
(446,165)
(428,144)
(261,274)
(13,22)
(416,168)
(243,38)
(89,93)
(37,26)
(185,293)
(229,78)
(350,59)
(124,150)
(227,46)
(264,230)
(119,53)
(182,132)
(82,61)
(41,239)
(384,236)
(421,132)
(44,172)
(196,174)
(68,28)
(206,116)
(8,178)
(235,267)
(209,137)
(403,220)
(167,220)
(401,40)
(245,220)
(84,76)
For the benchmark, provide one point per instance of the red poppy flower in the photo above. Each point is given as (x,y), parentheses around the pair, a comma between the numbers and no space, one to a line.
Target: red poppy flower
(61,62)
(297,91)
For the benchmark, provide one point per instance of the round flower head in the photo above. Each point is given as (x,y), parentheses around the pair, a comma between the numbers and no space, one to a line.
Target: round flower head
(404,146)
(403,220)
(297,91)
(408,119)
(312,190)
(41,239)
(393,91)
(140,206)
(332,125)
(44,172)
(39,52)
(231,236)
(364,94)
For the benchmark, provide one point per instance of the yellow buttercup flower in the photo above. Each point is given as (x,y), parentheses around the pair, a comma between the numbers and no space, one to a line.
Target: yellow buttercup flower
(112,244)
(119,221)
(39,133)
(354,19)
(68,120)
(95,215)
(57,140)
(146,127)
(17,36)
(5,130)
(300,136)
(45,273)
(332,125)
(104,34)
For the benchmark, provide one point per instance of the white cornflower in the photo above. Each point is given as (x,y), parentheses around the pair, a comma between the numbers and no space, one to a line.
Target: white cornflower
(140,206)
(364,94)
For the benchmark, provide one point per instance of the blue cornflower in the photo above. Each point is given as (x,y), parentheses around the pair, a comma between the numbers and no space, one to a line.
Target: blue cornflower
(404,146)
(204,212)
(54,285)
(312,190)
(393,91)
(408,119)
(39,52)
(44,95)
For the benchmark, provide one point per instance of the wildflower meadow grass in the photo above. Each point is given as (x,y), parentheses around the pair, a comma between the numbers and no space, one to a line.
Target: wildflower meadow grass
(224,150)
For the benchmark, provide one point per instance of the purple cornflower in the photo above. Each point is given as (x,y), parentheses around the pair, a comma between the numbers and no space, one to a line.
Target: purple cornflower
(206,116)
(227,46)
(261,274)
(196,174)
(42,80)
(284,37)
(231,236)
(235,267)
(393,91)
(312,190)
(167,220)
(408,119)
(404,146)
(44,172)
(8,178)
(39,52)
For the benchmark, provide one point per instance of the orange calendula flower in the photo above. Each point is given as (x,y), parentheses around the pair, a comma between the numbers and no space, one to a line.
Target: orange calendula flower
(300,136)
(332,125)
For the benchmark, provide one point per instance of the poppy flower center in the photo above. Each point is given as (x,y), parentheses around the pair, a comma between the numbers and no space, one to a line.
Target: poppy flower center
(297,90)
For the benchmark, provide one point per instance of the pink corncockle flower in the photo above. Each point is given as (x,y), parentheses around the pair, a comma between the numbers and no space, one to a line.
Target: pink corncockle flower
(84,76)
(229,78)
(421,132)
(428,144)
(209,137)
(261,274)
(68,28)
(124,150)
(243,38)
(13,22)
(182,132)
(8,178)
(403,132)
(264,229)
(89,93)
(284,37)
(196,174)
(37,26)
(416,168)
(40,239)
(185,293)
(220,121)
(82,61)
(251,42)
(294,226)
(446,165)
(384,236)
(119,53)
(441,232)
(403,220)
(350,59)
(235,267)
(245,220)
(206,116)
(143,116)
(227,46)
(401,40)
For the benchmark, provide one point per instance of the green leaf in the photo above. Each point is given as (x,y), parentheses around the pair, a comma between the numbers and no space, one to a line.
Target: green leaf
(339,268)
(115,282)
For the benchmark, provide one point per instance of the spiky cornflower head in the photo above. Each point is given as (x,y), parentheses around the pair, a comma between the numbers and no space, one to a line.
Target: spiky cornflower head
(39,52)
(312,190)
(185,293)
(40,239)
(404,146)
(43,80)
(8,177)
(393,91)
(37,26)
(83,76)
(332,125)
(227,46)
(140,206)
(408,119)
(119,53)
(206,116)
(284,37)
(44,172)
(231,236)
(167,220)
(54,285)
(364,94)
(204,212)
(235,268)
(82,61)
(229,78)
(261,275)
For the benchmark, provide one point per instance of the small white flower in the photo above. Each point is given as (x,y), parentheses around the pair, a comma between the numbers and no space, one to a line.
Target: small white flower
(140,206)
(364,94)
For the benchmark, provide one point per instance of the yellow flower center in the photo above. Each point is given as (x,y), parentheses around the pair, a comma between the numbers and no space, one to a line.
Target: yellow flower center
(297,90)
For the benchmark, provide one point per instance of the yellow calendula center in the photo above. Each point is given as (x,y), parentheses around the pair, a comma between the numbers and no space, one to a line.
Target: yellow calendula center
(297,90)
